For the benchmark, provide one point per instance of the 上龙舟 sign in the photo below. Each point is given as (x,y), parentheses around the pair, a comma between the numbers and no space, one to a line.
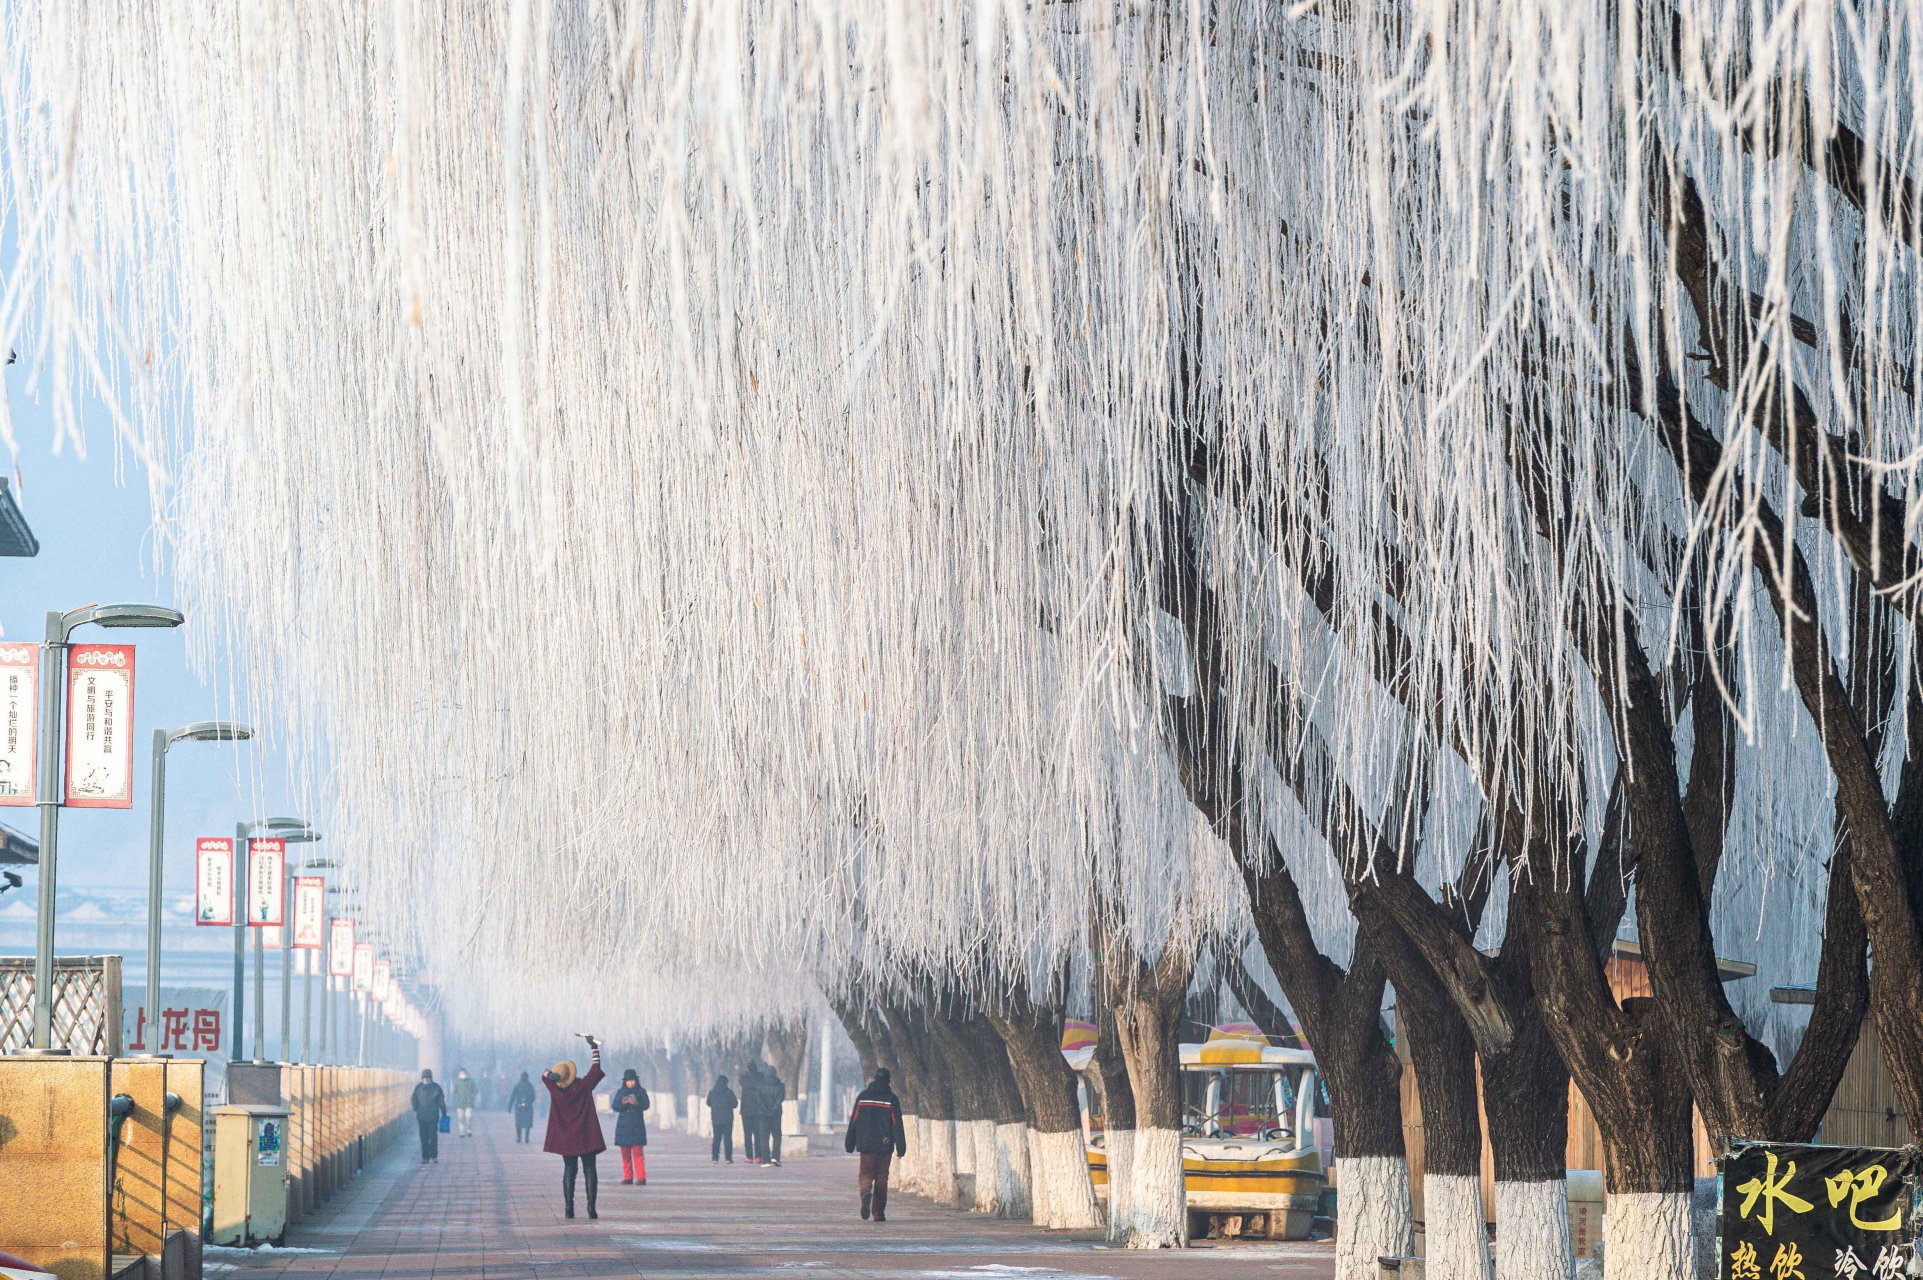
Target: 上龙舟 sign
(1794,1212)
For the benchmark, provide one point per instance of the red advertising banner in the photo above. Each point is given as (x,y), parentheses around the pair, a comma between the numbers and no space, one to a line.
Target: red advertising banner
(100,726)
(340,947)
(19,721)
(214,880)
(310,910)
(266,881)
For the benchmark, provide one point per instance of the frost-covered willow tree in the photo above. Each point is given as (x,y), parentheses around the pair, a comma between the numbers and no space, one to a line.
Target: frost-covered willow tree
(638,444)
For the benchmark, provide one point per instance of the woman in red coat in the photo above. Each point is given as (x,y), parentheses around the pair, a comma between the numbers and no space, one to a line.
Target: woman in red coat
(574,1131)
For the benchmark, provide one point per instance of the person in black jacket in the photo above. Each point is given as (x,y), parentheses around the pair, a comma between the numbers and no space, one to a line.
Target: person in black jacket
(522,1103)
(429,1105)
(751,1111)
(874,1129)
(630,1105)
(773,1094)
(721,1105)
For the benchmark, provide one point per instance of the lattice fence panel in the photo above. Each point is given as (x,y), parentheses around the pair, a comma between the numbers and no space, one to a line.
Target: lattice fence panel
(86,1004)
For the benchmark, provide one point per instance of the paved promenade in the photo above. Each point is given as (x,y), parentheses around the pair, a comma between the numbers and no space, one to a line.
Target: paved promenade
(491,1210)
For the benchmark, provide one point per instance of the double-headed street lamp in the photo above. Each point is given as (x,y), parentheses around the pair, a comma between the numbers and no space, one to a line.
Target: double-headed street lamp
(293,831)
(164,739)
(53,670)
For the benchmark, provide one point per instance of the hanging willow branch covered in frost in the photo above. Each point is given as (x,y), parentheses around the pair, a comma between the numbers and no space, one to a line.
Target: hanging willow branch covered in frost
(650,452)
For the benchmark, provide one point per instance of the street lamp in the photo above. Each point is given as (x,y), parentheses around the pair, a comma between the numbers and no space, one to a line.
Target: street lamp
(294,830)
(53,667)
(287,954)
(333,1034)
(164,739)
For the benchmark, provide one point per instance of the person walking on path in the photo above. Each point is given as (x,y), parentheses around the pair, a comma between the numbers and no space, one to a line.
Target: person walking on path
(574,1131)
(466,1093)
(874,1130)
(773,1094)
(721,1105)
(630,1104)
(429,1104)
(751,1111)
(521,1101)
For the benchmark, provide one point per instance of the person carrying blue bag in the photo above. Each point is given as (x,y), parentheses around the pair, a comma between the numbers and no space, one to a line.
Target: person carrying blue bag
(430,1114)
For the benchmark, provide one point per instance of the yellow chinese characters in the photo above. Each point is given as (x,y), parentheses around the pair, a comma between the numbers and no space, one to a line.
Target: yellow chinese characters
(1787,1264)
(1742,1263)
(1858,1187)
(1772,1189)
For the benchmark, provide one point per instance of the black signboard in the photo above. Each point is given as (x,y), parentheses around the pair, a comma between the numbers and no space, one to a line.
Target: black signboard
(1793,1212)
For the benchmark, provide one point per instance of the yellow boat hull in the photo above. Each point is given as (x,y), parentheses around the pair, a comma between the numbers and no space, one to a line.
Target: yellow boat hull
(1274,1197)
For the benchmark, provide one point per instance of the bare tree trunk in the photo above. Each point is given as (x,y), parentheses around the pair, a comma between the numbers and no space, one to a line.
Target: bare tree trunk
(1148,1021)
(1059,1185)
(1108,1075)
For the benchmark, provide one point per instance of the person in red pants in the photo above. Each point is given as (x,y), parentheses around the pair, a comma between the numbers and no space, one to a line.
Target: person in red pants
(874,1129)
(574,1131)
(630,1105)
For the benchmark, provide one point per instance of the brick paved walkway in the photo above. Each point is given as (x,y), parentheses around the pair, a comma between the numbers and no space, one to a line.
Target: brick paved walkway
(491,1210)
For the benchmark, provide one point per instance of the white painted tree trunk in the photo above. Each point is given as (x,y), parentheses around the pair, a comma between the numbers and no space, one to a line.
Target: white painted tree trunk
(938,1169)
(964,1147)
(1058,1174)
(1646,1236)
(1374,1218)
(905,1178)
(1159,1212)
(1532,1231)
(988,1176)
(1120,1146)
(1011,1170)
(1456,1240)
(700,1122)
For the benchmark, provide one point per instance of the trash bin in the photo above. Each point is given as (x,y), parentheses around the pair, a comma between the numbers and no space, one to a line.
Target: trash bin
(250,1174)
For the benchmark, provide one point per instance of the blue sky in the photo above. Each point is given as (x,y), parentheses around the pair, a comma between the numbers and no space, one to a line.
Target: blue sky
(93,520)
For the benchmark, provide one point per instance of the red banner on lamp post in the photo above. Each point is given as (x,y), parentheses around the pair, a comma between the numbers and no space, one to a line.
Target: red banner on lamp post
(19,721)
(100,726)
(267,881)
(310,910)
(340,947)
(214,880)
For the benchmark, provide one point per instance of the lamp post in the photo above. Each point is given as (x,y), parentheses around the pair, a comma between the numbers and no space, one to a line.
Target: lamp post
(279,826)
(53,670)
(286,963)
(332,1036)
(164,739)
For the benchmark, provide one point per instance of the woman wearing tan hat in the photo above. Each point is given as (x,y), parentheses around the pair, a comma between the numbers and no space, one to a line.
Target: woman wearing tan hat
(574,1131)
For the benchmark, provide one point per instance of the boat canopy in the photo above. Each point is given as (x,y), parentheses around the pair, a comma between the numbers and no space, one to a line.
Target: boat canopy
(1247,1054)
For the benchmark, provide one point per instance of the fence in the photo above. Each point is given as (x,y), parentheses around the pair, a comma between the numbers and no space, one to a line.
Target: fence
(86,1004)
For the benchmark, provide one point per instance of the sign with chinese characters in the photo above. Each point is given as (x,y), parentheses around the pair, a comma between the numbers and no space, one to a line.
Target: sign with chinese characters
(19,721)
(310,908)
(266,880)
(340,947)
(188,1022)
(1793,1212)
(213,880)
(383,978)
(363,966)
(100,726)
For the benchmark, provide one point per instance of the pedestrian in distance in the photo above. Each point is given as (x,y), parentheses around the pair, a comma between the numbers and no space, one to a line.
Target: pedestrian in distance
(574,1131)
(751,1111)
(721,1105)
(630,1104)
(773,1094)
(874,1130)
(521,1101)
(466,1093)
(429,1104)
